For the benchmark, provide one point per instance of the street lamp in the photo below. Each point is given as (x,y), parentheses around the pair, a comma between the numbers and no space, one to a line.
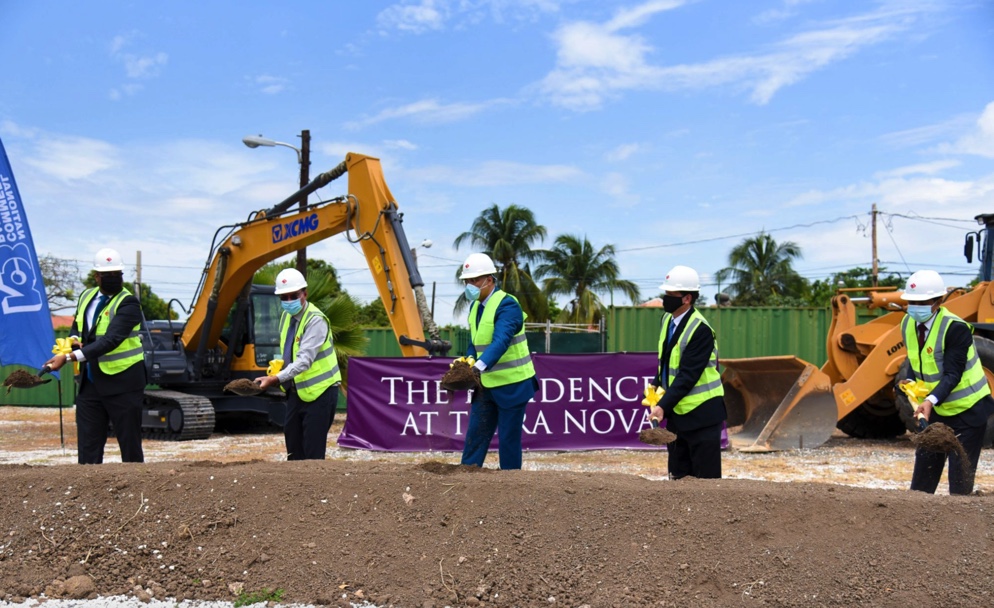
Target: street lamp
(427,243)
(304,160)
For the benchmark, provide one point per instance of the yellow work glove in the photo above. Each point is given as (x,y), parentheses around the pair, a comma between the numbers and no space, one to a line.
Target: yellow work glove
(470,361)
(652,395)
(274,367)
(916,391)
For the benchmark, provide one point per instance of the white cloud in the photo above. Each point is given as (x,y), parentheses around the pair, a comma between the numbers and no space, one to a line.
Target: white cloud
(270,85)
(597,61)
(136,66)
(980,141)
(623,152)
(400,144)
(496,173)
(421,16)
(147,66)
(71,158)
(427,111)
(930,168)
(415,18)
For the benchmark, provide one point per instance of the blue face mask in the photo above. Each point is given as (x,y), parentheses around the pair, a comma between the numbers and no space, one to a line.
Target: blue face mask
(472,293)
(292,307)
(920,312)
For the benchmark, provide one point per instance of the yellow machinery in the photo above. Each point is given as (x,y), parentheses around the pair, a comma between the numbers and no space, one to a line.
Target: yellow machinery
(787,403)
(232,328)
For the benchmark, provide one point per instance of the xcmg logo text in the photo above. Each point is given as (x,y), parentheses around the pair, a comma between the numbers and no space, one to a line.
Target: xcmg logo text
(297,227)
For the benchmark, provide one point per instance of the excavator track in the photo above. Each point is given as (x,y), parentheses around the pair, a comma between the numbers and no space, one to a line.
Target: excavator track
(182,416)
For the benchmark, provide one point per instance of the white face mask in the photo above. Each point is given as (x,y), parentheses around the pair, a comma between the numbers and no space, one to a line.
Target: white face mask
(920,312)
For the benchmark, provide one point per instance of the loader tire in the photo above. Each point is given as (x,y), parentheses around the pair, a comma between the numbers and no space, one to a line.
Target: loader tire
(985,351)
(872,422)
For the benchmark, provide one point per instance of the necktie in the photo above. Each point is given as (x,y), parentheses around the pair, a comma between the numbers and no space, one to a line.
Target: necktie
(101,304)
(672,330)
(922,331)
(288,345)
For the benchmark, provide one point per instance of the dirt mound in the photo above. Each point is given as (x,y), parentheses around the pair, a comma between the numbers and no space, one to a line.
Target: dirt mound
(431,534)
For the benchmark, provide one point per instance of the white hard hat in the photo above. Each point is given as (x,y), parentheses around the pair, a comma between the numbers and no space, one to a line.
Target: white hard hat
(477,265)
(681,278)
(290,280)
(924,285)
(108,260)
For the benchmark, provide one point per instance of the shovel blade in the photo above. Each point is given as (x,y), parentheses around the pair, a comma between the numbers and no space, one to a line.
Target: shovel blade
(782,403)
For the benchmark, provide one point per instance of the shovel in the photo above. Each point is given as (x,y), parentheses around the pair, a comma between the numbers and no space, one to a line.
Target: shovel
(22,379)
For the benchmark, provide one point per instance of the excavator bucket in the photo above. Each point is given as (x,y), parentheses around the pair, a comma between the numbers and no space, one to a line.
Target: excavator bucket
(782,403)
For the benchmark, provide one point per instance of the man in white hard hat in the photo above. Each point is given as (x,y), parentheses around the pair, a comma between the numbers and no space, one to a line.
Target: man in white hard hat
(107,344)
(507,376)
(310,375)
(693,404)
(958,395)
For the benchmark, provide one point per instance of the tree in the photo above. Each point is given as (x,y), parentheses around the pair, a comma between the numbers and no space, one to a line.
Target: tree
(573,267)
(820,292)
(153,307)
(507,237)
(62,280)
(325,292)
(761,272)
(373,314)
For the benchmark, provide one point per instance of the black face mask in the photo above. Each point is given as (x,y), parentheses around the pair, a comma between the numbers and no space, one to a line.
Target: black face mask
(672,303)
(111,284)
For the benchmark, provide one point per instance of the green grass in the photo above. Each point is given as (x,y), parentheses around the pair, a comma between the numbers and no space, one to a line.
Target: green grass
(247,598)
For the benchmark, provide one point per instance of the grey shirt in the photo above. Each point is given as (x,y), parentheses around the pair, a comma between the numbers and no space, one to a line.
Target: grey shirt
(310,343)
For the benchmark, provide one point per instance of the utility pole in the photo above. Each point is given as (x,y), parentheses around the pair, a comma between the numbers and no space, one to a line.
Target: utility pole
(305,177)
(138,275)
(873,239)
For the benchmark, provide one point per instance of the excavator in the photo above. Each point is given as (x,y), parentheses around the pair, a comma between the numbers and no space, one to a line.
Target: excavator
(232,329)
(784,402)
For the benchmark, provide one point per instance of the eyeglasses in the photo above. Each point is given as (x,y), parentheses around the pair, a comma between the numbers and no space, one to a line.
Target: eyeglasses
(287,297)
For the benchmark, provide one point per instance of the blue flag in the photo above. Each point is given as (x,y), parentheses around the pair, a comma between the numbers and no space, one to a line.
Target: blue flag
(26,334)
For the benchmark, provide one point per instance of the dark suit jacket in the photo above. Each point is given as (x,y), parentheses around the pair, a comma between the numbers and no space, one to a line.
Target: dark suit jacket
(129,314)
(693,360)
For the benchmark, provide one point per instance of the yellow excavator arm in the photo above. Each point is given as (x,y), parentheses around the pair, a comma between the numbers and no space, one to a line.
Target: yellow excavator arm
(369,216)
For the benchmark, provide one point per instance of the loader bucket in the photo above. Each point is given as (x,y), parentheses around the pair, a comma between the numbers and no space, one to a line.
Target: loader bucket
(782,403)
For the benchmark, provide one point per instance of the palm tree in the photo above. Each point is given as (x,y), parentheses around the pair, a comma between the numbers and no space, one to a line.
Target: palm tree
(573,267)
(507,237)
(324,291)
(761,271)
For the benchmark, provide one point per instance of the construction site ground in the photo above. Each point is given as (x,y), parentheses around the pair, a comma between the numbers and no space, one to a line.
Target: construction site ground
(229,519)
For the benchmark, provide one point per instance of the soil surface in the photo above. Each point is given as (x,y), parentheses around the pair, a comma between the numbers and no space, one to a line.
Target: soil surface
(419,530)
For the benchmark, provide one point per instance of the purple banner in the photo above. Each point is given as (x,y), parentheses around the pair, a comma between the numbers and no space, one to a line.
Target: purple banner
(584,402)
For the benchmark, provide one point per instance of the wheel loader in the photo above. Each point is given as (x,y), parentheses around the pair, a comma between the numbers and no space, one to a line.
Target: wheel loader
(233,328)
(781,403)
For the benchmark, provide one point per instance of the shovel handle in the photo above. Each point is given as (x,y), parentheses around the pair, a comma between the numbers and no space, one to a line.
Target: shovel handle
(654,422)
(922,422)
(44,371)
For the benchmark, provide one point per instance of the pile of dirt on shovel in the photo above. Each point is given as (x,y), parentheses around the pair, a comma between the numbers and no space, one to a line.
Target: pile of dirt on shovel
(938,437)
(243,387)
(21,379)
(656,436)
(420,535)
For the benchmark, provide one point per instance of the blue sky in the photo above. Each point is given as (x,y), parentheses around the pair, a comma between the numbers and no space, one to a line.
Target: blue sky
(671,129)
